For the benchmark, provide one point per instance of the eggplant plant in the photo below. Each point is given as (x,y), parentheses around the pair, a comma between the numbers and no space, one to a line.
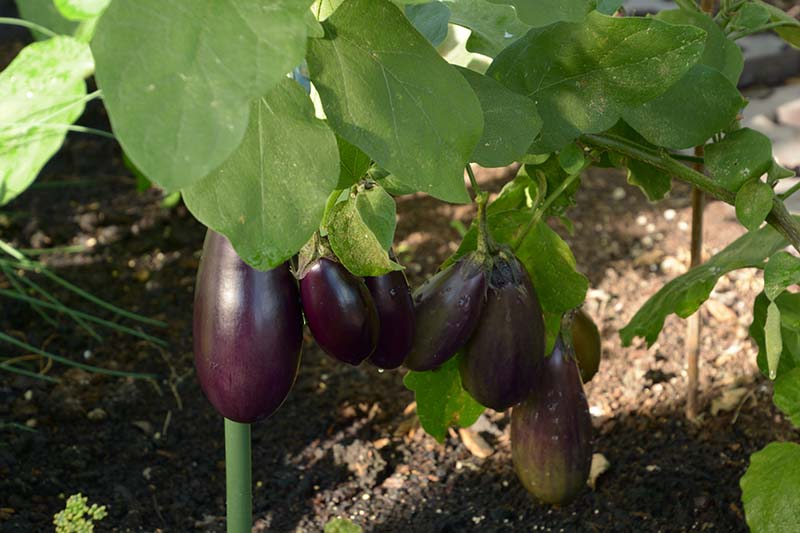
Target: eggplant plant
(547,90)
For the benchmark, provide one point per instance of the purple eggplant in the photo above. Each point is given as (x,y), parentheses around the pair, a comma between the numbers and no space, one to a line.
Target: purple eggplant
(395,308)
(499,361)
(339,310)
(248,333)
(447,308)
(588,348)
(551,431)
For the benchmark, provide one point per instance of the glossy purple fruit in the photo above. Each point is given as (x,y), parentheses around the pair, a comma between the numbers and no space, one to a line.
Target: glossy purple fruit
(499,361)
(340,312)
(551,431)
(395,308)
(248,333)
(447,308)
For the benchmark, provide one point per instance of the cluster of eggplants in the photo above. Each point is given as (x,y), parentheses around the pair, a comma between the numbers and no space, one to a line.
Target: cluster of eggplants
(551,430)
(353,319)
(248,333)
(491,310)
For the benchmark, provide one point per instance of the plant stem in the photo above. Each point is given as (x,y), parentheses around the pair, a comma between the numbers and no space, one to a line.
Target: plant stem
(765,27)
(793,189)
(472,180)
(484,243)
(779,217)
(540,211)
(27,24)
(694,325)
(238,477)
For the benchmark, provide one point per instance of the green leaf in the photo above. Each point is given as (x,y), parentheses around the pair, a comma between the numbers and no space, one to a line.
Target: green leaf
(441,400)
(739,157)
(753,203)
(750,16)
(493,26)
(787,395)
(44,13)
(360,231)
(782,271)
(551,265)
(81,9)
(378,210)
(778,172)
(571,159)
(584,76)
(545,12)
(789,305)
(770,488)
(553,173)
(178,82)
(684,294)
(341,525)
(430,20)
(654,183)
(269,196)
(772,338)
(700,104)
(609,7)
(41,94)
(353,164)
(789,33)
(510,121)
(720,53)
(387,91)
(323,9)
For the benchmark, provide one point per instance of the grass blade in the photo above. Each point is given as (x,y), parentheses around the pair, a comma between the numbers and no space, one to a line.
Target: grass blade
(69,362)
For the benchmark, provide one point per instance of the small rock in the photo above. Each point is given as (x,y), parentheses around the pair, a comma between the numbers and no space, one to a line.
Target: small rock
(728,400)
(380,443)
(670,214)
(720,311)
(31,423)
(476,445)
(145,426)
(599,465)
(97,414)
(672,266)
(618,194)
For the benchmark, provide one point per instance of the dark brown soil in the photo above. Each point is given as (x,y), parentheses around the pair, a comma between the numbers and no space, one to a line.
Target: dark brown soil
(346,443)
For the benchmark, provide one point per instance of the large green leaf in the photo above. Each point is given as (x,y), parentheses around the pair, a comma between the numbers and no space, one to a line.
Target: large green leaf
(493,26)
(739,157)
(684,294)
(584,75)
(770,488)
(361,229)
(791,31)
(387,91)
(45,13)
(703,102)
(81,9)
(41,94)
(178,80)
(787,395)
(430,19)
(269,196)
(538,13)
(720,53)
(700,104)
(441,400)
(510,122)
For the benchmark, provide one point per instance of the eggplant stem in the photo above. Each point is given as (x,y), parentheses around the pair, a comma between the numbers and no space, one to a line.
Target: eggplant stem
(238,477)
(473,181)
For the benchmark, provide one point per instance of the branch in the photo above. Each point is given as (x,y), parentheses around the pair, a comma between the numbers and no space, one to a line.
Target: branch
(779,217)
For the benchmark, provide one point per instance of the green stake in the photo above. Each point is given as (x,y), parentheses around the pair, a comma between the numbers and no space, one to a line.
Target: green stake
(238,477)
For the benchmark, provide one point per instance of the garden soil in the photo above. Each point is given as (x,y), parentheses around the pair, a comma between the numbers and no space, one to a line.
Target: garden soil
(347,443)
